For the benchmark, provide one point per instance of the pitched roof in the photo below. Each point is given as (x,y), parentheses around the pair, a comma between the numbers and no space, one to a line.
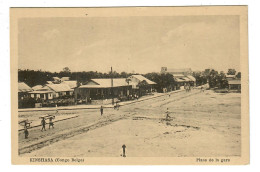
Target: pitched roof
(105,83)
(22,87)
(71,84)
(65,78)
(230,76)
(59,87)
(234,82)
(142,78)
(183,70)
(49,82)
(41,91)
(37,87)
(182,79)
(191,78)
(177,75)
(56,78)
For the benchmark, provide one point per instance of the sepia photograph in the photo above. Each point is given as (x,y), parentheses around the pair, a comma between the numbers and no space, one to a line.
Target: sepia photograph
(130,85)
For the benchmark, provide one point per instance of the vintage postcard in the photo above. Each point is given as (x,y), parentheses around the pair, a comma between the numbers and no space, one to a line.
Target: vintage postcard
(130,85)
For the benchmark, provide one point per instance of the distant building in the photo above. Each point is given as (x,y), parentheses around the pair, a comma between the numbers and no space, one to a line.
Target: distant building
(60,89)
(134,80)
(23,90)
(42,92)
(49,82)
(230,77)
(101,88)
(183,71)
(181,76)
(71,83)
(65,79)
(234,84)
(57,80)
(138,81)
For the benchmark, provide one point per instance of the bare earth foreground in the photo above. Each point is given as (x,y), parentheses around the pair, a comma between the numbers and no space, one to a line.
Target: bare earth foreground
(201,124)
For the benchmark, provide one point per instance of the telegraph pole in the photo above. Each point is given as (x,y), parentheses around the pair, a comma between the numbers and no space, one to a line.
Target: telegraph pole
(112,91)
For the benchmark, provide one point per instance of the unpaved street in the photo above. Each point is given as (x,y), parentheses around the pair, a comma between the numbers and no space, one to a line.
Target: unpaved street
(200,124)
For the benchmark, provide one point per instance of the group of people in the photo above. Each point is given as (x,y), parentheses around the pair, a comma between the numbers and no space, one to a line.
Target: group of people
(43,123)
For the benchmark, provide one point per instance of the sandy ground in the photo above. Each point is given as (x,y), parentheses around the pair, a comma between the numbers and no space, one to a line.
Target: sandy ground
(201,124)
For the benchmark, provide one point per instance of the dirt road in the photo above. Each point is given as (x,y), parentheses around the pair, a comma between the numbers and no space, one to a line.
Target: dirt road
(200,124)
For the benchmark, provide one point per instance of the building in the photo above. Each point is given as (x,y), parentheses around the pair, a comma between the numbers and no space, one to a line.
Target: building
(42,92)
(230,77)
(65,79)
(182,71)
(60,90)
(107,88)
(140,84)
(181,76)
(23,90)
(234,84)
(71,83)
(103,89)
(56,80)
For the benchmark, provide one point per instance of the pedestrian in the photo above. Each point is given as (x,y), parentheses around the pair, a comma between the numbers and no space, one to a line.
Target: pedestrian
(43,122)
(57,109)
(124,146)
(101,110)
(26,133)
(167,114)
(51,124)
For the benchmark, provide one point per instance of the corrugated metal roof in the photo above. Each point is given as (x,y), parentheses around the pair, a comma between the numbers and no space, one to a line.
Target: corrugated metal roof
(49,82)
(234,82)
(106,83)
(71,84)
(179,70)
(182,79)
(65,78)
(142,78)
(230,76)
(177,75)
(56,78)
(37,87)
(191,78)
(41,92)
(22,87)
(59,87)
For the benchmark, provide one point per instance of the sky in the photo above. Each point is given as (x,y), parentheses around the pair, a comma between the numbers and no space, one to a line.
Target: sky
(131,44)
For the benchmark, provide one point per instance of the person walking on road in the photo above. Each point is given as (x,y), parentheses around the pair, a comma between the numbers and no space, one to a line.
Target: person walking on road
(43,122)
(101,110)
(57,109)
(51,124)
(26,133)
(167,114)
(124,146)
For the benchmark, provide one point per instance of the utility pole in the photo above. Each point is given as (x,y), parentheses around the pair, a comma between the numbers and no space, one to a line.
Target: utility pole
(112,91)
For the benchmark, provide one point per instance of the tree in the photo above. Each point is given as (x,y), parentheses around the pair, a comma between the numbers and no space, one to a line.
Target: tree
(66,70)
(231,72)
(238,75)
(200,77)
